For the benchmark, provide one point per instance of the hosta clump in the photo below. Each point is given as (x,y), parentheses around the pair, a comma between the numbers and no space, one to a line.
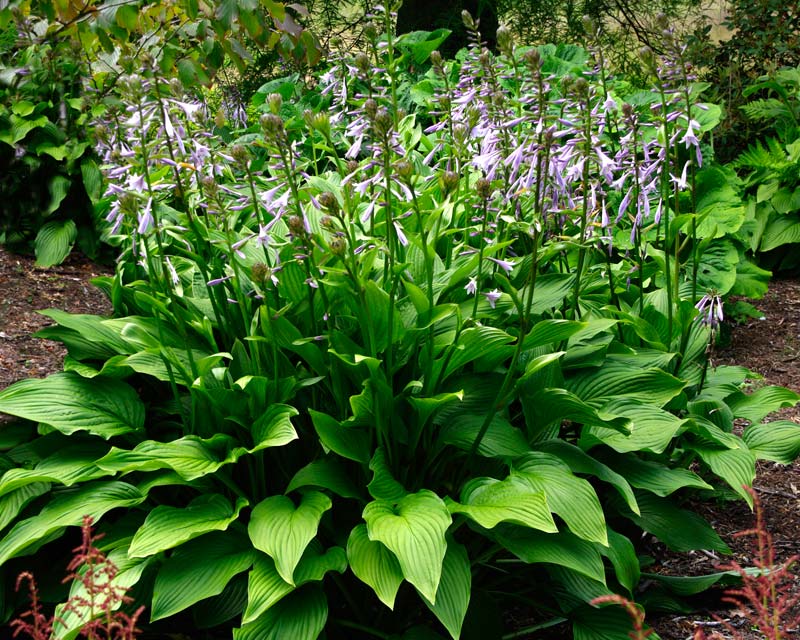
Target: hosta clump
(362,369)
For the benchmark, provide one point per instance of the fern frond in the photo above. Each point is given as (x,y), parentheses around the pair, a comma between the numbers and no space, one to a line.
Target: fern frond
(763,158)
(767,109)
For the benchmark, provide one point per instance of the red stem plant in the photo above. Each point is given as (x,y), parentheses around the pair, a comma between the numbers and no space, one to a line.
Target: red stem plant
(98,603)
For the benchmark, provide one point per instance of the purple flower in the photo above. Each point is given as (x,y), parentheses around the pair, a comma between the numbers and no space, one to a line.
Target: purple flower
(146,217)
(710,308)
(506,265)
(492,297)
(471,287)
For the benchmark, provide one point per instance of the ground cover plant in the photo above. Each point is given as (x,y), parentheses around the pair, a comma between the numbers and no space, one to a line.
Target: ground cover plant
(431,336)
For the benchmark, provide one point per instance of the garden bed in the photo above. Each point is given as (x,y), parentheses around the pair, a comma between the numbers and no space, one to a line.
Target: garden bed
(769,347)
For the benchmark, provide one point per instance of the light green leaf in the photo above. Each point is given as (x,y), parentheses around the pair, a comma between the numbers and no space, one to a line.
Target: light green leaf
(13,502)
(299,616)
(68,465)
(274,427)
(581,462)
(266,587)
(679,529)
(70,403)
(413,529)
(327,473)
(500,440)
(383,485)
(563,548)
(166,527)
(778,441)
(736,466)
(753,407)
(67,509)
(452,597)
(349,442)
(653,476)
(616,379)
(572,498)
(54,242)
(374,564)
(652,429)
(283,531)
(199,569)
(551,331)
(489,501)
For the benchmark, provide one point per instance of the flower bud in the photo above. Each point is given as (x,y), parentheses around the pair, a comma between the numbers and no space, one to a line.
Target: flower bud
(337,245)
(436,60)
(589,26)
(328,201)
(260,273)
(505,41)
(483,188)
(370,108)
(296,226)
(467,19)
(383,121)
(363,64)
(533,60)
(404,169)
(210,185)
(271,125)
(352,166)
(275,102)
(240,155)
(449,181)
(371,31)
(219,119)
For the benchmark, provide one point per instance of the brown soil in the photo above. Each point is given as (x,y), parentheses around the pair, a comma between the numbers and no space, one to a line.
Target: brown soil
(25,289)
(769,347)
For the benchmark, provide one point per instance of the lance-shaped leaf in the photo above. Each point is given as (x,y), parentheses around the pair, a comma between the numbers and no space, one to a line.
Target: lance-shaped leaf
(452,596)
(349,442)
(66,510)
(489,501)
(778,441)
(374,564)
(283,531)
(70,403)
(572,498)
(413,529)
(199,569)
(166,527)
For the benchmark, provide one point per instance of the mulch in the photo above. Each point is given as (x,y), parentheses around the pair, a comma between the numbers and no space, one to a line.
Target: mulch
(769,347)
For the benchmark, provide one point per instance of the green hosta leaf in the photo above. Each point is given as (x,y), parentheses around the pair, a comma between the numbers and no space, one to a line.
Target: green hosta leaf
(266,587)
(607,623)
(488,502)
(283,531)
(500,440)
(413,529)
(68,465)
(736,466)
(692,585)
(679,529)
(352,443)
(129,572)
(564,549)
(67,509)
(550,331)
(13,502)
(572,498)
(778,441)
(383,485)
(452,596)
(751,280)
(274,428)
(374,564)
(329,474)
(716,267)
(581,462)
(719,207)
(780,230)
(753,407)
(199,569)
(70,403)
(653,476)
(622,554)
(474,343)
(54,242)
(87,337)
(547,407)
(191,457)
(300,616)
(652,429)
(616,379)
(166,527)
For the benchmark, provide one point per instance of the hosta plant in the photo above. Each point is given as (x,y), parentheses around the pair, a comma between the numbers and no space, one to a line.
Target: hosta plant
(373,370)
